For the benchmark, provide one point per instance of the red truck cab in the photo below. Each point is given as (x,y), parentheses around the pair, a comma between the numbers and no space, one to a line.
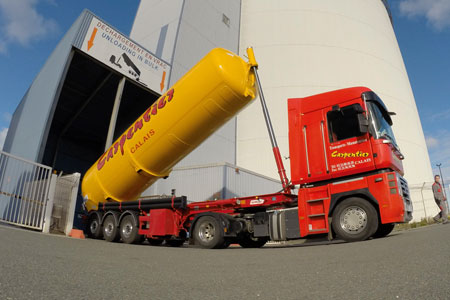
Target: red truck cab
(343,154)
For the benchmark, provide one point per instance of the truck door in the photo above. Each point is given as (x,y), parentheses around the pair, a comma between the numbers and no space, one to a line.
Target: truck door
(349,149)
(314,135)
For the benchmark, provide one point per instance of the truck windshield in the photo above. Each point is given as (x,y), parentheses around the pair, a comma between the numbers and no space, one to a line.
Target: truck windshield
(380,125)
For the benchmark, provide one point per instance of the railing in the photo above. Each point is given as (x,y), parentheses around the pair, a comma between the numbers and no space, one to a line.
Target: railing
(423,201)
(24,191)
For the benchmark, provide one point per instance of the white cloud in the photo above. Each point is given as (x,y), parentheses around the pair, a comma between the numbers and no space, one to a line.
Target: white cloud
(431,142)
(437,12)
(3,133)
(22,23)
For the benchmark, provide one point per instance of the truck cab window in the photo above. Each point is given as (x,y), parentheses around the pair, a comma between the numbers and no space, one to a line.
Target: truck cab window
(382,128)
(343,124)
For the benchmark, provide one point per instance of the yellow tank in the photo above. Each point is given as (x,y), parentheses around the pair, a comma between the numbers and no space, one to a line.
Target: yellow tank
(204,99)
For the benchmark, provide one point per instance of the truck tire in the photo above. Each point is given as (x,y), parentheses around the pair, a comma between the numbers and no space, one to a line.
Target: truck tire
(383,230)
(110,230)
(248,241)
(355,219)
(94,230)
(208,233)
(129,231)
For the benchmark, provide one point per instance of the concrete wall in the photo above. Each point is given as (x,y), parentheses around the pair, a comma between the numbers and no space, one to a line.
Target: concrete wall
(308,47)
(156,26)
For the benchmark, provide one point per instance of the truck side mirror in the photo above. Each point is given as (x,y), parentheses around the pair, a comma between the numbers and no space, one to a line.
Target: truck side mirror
(363,123)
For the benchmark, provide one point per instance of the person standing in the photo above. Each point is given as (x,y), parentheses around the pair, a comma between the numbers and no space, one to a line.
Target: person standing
(440,199)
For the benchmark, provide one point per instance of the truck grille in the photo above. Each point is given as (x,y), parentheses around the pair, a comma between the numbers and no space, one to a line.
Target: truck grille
(404,192)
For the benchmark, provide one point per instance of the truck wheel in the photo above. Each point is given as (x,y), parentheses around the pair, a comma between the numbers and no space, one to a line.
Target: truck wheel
(208,233)
(155,242)
(252,242)
(383,230)
(94,230)
(355,219)
(129,232)
(175,243)
(110,231)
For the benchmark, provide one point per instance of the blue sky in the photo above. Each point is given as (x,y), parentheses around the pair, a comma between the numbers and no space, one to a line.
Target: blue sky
(423,32)
(30,30)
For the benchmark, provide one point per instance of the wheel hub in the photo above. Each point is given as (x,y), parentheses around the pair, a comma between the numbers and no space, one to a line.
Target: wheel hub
(127,229)
(353,219)
(206,232)
(109,229)
(94,226)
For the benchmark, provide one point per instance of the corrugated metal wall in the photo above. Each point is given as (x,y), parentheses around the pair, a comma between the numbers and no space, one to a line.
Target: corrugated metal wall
(214,181)
(241,182)
(194,28)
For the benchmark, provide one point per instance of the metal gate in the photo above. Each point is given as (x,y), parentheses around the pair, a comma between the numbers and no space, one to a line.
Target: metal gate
(24,191)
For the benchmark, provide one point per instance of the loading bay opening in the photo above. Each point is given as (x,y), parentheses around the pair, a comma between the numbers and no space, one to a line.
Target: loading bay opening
(94,103)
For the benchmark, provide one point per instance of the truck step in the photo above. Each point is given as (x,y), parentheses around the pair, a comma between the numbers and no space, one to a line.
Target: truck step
(316,215)
(314,208)
(316,200)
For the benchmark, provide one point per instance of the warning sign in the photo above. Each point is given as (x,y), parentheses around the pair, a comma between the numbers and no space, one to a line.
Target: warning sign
(112,48)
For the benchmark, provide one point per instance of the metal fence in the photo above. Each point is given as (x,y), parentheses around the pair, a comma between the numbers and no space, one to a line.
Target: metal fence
(24,191)
(423,201)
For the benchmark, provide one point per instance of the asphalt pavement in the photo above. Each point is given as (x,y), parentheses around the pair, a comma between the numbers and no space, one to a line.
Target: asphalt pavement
(413,264)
